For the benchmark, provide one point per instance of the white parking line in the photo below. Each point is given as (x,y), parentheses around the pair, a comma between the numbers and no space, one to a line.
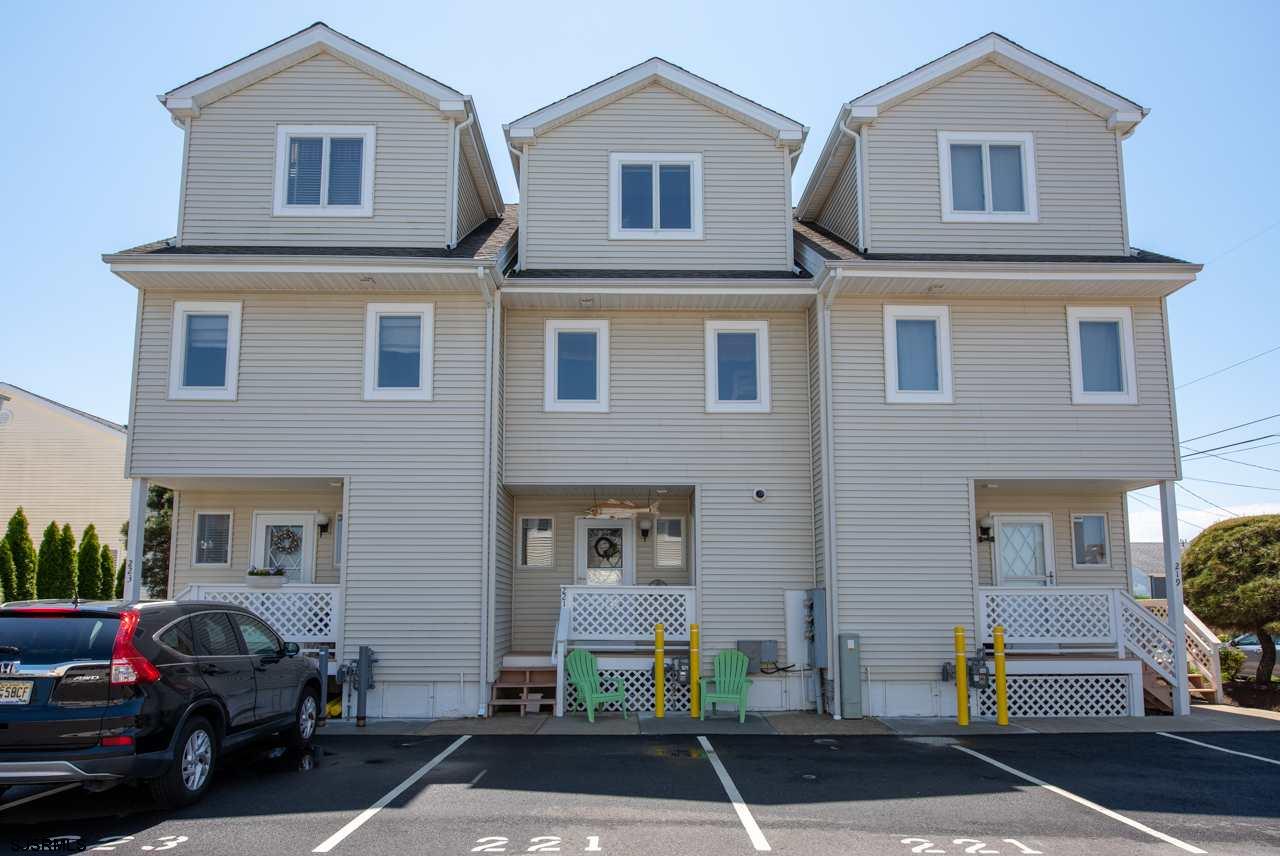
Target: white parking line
(38,796)
(758,840)
(1219,748)
(1114,815)
(359,820)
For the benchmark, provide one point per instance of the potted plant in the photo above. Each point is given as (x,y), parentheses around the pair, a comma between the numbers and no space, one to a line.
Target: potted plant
(264,578)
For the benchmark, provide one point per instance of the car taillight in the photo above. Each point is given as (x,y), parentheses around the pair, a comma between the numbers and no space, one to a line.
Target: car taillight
(128,666)
(121,740)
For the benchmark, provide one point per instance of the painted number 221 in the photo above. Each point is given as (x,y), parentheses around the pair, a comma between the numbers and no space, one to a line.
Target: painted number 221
(971,845)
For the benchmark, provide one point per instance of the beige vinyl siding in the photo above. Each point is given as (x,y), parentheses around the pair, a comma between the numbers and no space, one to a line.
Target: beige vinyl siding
(58,466)
(231,161)
(1060,507)
(839,214)
(906,533)
(415,505)
(242,505)
(744,179)
(470,209)
(1077,170)
(537,590)
(816,417)
(658,432)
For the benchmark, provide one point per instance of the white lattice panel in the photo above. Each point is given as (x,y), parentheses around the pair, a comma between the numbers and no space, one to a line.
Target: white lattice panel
(1149,638)
(641,691)
(299,615)
(1061,695)
(1049,614)
(627,613)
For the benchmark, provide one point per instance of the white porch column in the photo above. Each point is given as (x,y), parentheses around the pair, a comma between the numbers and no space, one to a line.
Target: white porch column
(1173,586)
(137,535)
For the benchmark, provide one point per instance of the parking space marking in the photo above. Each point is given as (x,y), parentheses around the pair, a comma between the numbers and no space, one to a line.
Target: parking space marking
(1219,748)
(758,840)
(39,796)
(359,820)
(1114,815)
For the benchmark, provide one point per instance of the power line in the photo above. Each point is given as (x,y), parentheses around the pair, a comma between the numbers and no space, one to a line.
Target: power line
(1195,452)
(1228,368)
(1228,511)
(1233,427)
(1232,484)
(1231,249)
(1242,463)
(1153,508)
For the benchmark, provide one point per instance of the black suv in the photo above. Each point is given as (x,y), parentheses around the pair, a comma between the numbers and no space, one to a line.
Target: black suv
(102,692)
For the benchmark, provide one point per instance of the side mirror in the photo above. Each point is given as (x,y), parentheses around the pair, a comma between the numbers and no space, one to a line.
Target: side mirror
(291,649)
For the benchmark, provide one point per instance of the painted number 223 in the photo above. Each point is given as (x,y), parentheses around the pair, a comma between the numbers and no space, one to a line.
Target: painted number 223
(970,845)
(538,844)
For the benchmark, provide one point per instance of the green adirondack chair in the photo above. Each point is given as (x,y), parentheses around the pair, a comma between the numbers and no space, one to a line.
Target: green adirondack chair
(583,674)
(731,684)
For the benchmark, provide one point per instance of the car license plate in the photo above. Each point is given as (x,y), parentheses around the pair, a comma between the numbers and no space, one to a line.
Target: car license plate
(15,692)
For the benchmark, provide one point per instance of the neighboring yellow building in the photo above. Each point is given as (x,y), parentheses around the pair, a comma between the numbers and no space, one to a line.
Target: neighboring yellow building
(61,464)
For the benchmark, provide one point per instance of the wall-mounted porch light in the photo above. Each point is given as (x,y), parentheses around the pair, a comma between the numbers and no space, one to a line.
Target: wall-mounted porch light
(322,523)
(986,527)
(645,525)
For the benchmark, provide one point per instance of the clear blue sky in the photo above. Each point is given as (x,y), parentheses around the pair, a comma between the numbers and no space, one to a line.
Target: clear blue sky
(90,162)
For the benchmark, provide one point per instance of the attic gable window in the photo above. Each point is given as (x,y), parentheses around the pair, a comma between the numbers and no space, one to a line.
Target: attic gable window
(655,196)
(324,170)
(987,177)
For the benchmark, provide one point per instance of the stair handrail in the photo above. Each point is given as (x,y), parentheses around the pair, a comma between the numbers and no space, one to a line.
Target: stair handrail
(1130,607)
(1203,645)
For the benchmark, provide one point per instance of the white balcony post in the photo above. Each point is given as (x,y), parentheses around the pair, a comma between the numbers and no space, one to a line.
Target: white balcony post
(137,537)
(1173,584)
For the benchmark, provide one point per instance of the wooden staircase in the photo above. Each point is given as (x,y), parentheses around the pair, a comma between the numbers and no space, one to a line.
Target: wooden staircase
(1158,695)
(524,683)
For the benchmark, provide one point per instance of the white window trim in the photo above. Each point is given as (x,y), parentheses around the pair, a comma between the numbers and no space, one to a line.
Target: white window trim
(195,536)
(520,519)
(684,539)
(1029,198)
(308,520)
(1122,314)
(1050,545)
(282,208)
(941,315)
(711,358)
(694,162)
(422,392)
(178,349)
(1106,539)
(550,401)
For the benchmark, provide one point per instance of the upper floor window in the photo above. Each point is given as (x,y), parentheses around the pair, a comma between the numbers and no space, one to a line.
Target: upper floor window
(397,351)
(1102,355)
(324,170)
(737,366)
(576,372)
(988,177)
(655,196)
(917,354)
(204,354)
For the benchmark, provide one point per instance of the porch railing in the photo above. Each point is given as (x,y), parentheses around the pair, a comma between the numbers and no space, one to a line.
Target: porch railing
(1203,645)
(307,613)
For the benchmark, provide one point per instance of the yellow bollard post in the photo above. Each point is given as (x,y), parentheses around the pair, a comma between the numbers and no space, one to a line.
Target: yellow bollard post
(695,667)
(1002,689)
(962,679)
(659,671)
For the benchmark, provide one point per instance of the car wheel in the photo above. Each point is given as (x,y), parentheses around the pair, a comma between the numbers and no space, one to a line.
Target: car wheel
(188,776)
(305,718)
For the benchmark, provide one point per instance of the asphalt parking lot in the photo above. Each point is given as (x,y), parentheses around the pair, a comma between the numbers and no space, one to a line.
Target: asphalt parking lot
(1018,794)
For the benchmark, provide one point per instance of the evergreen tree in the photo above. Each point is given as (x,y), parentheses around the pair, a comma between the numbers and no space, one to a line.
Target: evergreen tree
(120,580)
(63,584)
(18,537)
(106,575)
(8,580)
(46,562)
(155,542)
(88,583)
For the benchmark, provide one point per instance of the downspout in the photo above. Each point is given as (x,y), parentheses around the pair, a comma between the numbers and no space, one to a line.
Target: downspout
(182,181)
(859,167)
(486,536)
(524,205)
(829,495)
(454,166)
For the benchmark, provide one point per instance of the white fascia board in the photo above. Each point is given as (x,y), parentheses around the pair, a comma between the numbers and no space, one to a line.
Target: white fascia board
(303,45)
(527,127)
(291,264)
(1063,272)
(820,169)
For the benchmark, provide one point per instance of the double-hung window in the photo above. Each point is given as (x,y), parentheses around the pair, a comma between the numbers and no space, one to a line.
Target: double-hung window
(737,366)
(537,547)
(204,355)
(324,170)
(988,177)
(576,372)
(212,543)
(655,196)
(397,351)
(1102,355)
(1090,544)
(668,542)
(917,354)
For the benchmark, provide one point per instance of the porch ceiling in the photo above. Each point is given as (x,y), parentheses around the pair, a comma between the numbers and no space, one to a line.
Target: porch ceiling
(249,483)
(602,491)
(996,485)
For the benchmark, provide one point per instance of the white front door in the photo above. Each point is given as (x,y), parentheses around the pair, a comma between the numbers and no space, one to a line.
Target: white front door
(604,550)
(1023,551)
(285,540)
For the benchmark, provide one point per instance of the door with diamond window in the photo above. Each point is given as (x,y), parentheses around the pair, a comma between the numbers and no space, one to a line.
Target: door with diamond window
(1023,550)
(285,540)
(604,550)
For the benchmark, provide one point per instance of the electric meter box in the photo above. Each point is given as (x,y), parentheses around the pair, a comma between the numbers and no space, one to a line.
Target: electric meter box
(850,656)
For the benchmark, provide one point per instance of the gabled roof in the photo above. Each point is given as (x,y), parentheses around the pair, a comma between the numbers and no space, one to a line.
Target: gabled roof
(785,129)
(185,101)
(9,390)
(1119,112)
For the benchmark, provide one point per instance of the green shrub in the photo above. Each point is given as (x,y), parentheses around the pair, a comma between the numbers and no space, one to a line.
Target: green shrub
(120,579)
(106,575)
(18,537)
(8,581)
(65,585)
(47,562)
(87,562)
(1231,659)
